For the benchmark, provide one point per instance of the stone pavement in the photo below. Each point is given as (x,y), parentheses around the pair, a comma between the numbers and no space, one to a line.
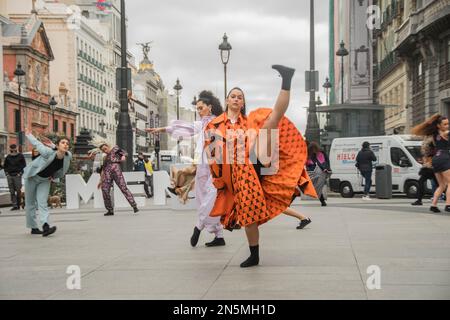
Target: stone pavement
(148,256)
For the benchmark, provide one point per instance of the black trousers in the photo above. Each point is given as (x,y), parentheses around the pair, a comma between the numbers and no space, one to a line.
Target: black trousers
(425,175)
(15,186)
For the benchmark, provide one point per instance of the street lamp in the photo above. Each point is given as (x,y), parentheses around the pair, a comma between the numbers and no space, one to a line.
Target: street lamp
(102,124)
(19,73)
(194,103)
(177,87)
(342,52)
(124,133)
(53,105)
(327,87)
(225,48)
(157,142)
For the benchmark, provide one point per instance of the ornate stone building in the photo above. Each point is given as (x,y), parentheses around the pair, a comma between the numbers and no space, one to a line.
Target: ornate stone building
(27,44)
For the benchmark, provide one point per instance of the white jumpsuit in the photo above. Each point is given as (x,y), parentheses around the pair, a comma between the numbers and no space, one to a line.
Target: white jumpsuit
(205,192)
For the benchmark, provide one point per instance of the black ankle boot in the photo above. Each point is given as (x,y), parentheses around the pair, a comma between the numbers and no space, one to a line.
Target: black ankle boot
(253,260)
(322,201)
(286,74)
(135,209)
(109,213)
(195,236)
(47,230)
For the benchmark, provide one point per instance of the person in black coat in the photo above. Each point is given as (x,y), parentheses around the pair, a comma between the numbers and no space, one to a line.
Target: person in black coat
(14,165)
(364,163)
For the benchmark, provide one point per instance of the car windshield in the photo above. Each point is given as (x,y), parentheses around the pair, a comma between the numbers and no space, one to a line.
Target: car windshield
(415,152)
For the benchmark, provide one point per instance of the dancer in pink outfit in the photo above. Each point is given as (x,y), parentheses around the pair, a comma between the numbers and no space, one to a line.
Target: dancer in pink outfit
(208,107)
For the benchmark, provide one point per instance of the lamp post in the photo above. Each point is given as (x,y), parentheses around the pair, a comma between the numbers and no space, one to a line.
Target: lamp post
(177,87)
(327,87)
(53,105)
(19,73)
(342,52)
(312,132)
(152,125)
(124,130)
(194,103)
(157,142)
(225,48)
(102,124)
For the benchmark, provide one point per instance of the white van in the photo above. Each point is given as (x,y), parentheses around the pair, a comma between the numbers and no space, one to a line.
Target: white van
(402,152)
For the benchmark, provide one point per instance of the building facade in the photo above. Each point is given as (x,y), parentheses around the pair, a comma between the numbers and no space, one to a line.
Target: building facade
(390,78)
(423,43)
(353,110)
(3,128)
(27,44)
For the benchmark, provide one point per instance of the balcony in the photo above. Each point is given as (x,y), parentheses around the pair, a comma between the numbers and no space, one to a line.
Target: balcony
(387,64)
(444,76)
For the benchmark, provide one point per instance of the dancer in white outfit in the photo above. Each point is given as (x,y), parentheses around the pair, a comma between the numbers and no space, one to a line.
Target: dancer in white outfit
(208,107)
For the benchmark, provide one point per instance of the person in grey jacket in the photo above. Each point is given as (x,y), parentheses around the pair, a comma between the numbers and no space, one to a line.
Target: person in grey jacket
(52,164)
(364,163)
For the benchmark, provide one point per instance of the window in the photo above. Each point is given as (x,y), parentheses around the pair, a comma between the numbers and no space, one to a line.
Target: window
(397,155)
(72,130)
(55,126)
(64,124)
(448,50)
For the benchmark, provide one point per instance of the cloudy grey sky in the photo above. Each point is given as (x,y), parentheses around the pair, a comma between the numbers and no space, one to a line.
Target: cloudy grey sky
(187,34)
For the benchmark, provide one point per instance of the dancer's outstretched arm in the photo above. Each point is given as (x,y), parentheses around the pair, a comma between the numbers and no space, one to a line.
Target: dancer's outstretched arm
(278,112)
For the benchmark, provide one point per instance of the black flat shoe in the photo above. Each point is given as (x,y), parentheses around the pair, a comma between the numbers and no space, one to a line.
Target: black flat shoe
(172,190)
(48,230)
(435,209)
(135,209)
(304,223)
(109,213)
(447,208)
(417,203)
(36,231)
(195,236)
(15,209)
(217,242)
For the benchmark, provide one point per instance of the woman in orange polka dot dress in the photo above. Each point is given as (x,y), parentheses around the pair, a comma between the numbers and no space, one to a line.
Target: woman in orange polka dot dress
(256,178)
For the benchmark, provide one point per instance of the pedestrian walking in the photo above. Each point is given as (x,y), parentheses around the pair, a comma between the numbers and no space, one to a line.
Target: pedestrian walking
(426,173)
(14,165)
(318,167)
(364,163)
(148,184)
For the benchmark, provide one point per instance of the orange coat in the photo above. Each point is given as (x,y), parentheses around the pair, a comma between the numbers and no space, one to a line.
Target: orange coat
(243,198)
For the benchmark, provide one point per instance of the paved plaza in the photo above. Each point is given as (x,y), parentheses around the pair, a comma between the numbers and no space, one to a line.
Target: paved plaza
(148,256)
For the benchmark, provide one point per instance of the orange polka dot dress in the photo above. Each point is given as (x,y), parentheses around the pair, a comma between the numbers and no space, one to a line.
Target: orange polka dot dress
(243,196)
